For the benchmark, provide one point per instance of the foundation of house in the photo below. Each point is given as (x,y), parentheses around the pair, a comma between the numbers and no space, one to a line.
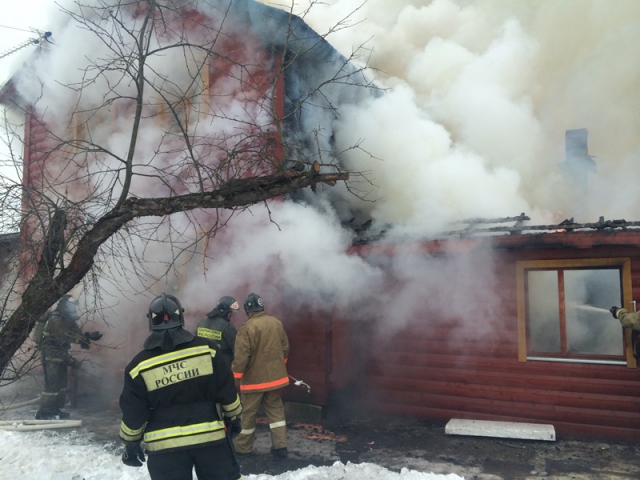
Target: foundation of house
(302,412)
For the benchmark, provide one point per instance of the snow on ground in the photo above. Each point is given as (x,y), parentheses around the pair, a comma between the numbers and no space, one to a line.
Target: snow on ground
(70,455)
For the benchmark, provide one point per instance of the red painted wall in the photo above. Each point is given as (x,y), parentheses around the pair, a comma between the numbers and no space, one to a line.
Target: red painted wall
(439,368)
(424,374)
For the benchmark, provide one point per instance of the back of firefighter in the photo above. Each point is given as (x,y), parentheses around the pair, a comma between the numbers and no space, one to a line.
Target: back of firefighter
(259,365)
(177,397)
(217,329)
(59,330)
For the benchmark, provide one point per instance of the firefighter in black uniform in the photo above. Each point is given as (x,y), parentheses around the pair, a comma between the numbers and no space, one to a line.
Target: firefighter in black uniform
(216,327)
(56,331)
(178,397)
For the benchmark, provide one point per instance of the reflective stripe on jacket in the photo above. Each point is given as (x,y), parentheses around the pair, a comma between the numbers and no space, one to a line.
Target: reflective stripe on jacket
(261,353)
(169,397)
(220,334)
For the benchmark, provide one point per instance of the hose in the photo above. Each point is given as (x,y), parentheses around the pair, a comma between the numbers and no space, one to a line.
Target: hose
(21,404)
(29,425)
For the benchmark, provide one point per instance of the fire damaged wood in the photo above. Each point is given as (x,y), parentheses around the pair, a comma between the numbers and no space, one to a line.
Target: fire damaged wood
(520,218)
(473,228)
(567,225)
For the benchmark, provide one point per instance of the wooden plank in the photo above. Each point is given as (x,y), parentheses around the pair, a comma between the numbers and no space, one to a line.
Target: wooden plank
(510,394)
(421,378)
(523,412)
(488,428)
(419,360)
(563,429)
(463,349)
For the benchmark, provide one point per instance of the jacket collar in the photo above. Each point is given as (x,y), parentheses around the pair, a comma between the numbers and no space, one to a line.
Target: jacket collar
(167,340)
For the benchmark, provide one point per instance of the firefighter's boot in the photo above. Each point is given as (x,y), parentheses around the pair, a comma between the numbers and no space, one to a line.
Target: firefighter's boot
(49,407)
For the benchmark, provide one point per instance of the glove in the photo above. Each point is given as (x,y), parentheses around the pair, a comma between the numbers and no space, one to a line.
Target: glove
(133,454)
(93,336)
(73,362)
(613,311)
(234,425)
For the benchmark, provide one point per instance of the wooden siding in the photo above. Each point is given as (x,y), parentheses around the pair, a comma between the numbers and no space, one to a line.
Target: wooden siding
(437,367)
(309,357)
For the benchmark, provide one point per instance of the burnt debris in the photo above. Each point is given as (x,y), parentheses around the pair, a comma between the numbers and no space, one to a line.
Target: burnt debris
(472,227)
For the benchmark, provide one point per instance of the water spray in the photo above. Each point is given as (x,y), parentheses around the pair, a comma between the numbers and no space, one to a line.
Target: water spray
(591,308)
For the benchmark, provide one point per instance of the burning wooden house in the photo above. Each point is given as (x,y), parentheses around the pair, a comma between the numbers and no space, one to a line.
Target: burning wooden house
(495,320)
(513,327)
(493,323)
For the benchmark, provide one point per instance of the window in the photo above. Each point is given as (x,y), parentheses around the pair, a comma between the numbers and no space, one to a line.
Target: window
(563,311)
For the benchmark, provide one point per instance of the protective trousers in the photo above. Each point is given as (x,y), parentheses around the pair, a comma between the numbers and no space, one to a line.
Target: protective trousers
(54,395)
(213,462)
(273,409)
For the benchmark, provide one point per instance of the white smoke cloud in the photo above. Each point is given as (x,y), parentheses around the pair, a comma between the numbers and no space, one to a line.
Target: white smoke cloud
(424,179)
(504,80)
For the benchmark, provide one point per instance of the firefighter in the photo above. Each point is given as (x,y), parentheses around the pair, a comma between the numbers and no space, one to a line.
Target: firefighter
(216,327)
(259,366)
(179,397)
(55,332)
(627,319)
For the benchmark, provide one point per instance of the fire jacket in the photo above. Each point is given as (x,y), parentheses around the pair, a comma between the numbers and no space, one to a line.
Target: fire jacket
(262,350)
(220,334)
(169,397)
(59,332)
(629,319)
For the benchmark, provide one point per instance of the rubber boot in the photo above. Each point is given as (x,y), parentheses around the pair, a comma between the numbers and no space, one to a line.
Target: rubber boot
(279,453)
(48,407)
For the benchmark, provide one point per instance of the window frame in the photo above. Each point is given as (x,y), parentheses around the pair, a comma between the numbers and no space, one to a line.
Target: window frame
(624,263)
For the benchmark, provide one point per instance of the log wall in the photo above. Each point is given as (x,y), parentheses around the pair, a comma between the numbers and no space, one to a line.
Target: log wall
(423,373)
(309,357)
(437,368)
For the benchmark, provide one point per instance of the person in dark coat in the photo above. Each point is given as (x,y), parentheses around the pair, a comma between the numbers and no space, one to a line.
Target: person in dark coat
(216,327)
(179,397)
(59,330)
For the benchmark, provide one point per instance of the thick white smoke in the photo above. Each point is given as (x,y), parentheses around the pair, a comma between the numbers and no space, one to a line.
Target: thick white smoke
(480,96)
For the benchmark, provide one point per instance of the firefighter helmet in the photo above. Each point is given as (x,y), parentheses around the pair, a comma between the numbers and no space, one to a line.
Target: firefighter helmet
(67,298)
(165,312)
(68,306)
(253,303)
(226,305)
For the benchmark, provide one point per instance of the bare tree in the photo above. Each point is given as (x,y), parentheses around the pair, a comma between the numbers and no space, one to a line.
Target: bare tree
(172,120)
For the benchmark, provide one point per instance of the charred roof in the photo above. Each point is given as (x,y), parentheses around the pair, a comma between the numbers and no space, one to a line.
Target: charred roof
(506,226)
